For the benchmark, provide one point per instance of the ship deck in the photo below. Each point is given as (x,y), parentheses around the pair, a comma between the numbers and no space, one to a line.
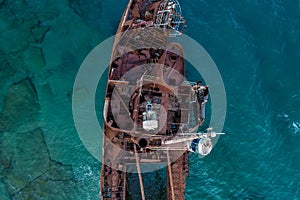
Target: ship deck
(148,101)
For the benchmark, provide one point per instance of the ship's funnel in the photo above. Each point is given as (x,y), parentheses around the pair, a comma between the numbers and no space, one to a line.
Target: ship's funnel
(142,142)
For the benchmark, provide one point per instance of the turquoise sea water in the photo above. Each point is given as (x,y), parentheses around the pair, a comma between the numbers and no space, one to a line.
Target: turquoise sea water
(255,45)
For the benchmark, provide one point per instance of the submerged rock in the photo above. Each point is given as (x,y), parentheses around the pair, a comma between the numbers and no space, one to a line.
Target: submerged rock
(21,105)
(39,33)
(27,169)
(60,172)
(42,188)
(89,12)
(44,17)
(30,157)
(5,159)
(34,58)
(31,172)
(3,192)
(28,29)
(12,40)
(6,70)
(27,21)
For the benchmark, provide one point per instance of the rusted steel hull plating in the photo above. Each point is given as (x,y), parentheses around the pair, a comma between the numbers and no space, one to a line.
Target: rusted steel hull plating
(150,110)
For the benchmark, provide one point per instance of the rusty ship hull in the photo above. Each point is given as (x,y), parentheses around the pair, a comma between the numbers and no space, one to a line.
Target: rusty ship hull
(149,106)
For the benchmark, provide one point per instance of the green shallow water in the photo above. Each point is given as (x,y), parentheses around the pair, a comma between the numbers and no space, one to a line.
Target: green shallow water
(253,43)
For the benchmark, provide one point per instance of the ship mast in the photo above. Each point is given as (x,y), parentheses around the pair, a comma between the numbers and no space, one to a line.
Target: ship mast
(169,16)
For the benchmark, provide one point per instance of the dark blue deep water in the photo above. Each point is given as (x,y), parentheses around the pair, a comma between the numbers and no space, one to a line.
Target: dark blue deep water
(255,45)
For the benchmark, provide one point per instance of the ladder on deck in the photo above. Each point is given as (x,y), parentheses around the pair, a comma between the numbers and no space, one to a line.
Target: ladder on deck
(176,173)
